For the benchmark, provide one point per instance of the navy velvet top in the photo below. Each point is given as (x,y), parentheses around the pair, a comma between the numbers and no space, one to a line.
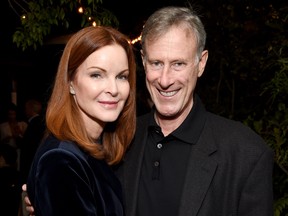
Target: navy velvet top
(64,180)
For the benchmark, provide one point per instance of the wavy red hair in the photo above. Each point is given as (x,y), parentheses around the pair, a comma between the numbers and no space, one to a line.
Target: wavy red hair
(63,118)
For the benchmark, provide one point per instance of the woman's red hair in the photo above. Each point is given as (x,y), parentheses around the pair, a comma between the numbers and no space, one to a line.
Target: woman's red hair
(63,118)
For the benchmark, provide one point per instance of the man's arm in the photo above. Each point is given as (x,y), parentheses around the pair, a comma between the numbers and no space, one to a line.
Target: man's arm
(257,195)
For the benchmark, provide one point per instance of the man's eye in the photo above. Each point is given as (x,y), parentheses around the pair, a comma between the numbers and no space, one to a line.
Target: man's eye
(178,66)
(155,65)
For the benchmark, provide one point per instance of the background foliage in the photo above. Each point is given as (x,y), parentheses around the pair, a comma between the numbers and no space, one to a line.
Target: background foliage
(41,19)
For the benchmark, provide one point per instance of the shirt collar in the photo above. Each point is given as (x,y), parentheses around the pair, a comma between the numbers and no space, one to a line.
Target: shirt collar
(189,131)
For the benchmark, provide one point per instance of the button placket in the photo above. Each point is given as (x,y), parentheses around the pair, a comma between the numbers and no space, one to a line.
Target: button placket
(156,162)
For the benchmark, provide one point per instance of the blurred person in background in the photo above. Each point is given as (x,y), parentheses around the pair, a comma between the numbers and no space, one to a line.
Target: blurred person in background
(32,136)
(10,185)
(12,130)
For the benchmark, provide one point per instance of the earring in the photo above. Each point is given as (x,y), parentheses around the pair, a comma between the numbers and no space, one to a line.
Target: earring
(72,91)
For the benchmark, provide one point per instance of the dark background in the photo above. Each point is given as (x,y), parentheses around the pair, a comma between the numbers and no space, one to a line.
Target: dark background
(247,41)
(34,71)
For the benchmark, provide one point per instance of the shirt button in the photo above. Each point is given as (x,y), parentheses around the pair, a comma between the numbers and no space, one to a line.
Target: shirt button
(156,163)
(159,145)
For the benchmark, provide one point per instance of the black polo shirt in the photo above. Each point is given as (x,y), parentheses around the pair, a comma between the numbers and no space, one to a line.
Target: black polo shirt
(165,162)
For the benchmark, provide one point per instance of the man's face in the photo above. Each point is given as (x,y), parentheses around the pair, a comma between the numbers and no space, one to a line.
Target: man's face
(172,69)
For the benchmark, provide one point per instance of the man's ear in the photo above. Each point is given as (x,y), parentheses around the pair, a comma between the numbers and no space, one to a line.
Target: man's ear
(202,62)
(143,58)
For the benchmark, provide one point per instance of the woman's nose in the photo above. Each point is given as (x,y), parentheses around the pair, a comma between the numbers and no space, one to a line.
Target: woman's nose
(112,87)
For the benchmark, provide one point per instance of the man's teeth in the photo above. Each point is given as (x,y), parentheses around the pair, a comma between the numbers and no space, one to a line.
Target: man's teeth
(168,94)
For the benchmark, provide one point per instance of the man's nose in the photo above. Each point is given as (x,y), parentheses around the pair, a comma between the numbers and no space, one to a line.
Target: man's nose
(165,77)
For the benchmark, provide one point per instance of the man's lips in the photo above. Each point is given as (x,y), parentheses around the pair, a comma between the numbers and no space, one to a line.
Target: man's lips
(168,93)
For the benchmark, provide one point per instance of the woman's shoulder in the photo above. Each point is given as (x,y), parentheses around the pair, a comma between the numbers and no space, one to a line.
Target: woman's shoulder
(59,155)
(51,144)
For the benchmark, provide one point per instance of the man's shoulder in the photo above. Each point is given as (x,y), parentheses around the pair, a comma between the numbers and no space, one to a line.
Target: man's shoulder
(234,132)
(143,119)
(226,122)
(144,116)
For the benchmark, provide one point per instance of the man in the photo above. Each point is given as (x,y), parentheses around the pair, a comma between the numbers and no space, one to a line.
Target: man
(185,161)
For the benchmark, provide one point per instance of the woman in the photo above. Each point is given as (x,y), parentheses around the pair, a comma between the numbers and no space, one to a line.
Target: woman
(90,121)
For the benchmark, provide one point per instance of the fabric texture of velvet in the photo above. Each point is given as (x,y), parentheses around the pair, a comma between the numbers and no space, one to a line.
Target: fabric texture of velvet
(66,181)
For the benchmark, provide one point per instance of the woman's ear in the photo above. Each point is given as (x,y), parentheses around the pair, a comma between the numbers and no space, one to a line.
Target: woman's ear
(72,91)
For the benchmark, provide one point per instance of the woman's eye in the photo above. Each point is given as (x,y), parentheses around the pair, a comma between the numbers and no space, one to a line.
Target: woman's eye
(123,77)
(95,75)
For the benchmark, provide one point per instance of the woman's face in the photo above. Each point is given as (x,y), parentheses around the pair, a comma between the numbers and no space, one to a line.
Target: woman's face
(101,86)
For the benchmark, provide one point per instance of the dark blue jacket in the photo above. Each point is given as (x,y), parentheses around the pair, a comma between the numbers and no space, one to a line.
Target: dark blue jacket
(65,181)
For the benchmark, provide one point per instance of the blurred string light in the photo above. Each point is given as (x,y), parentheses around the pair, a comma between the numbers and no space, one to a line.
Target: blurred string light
(93,23)
(22,4)
(80,10)
(136,40)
